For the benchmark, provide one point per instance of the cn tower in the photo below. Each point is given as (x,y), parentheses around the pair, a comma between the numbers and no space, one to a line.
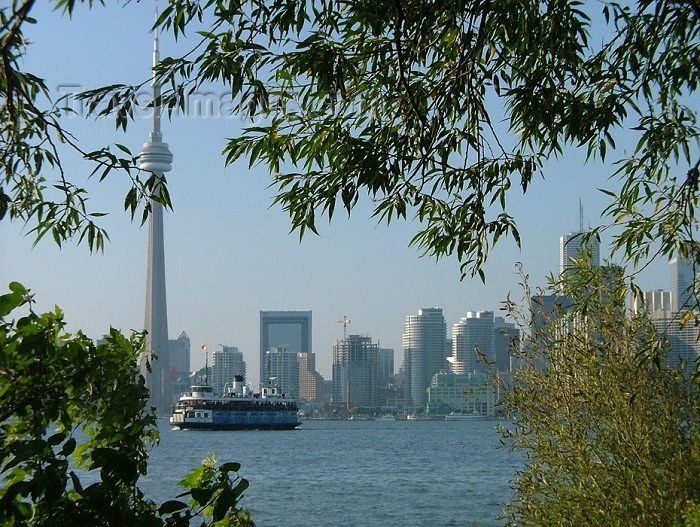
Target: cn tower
(157,158)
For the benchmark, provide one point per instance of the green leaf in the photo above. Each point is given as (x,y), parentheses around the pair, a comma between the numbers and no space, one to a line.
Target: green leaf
(230,467)
(202,495)
(11,301)
(171,506)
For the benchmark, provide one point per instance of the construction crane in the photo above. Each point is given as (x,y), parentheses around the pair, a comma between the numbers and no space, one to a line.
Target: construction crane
(345,323)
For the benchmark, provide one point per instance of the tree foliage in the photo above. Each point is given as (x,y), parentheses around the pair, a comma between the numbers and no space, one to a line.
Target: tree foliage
(439,109)
(430,109)
(73,412)
(609,432)
(33,138)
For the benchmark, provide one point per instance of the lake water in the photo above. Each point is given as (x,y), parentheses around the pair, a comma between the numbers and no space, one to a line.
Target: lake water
(348,473)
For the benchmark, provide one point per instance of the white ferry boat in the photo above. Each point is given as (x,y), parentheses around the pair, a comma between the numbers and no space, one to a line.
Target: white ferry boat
(237,409)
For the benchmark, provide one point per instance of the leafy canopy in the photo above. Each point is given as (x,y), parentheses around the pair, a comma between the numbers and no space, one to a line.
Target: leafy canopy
(33,138)
(430,109)
(609,431)
(72,411)
(438,109)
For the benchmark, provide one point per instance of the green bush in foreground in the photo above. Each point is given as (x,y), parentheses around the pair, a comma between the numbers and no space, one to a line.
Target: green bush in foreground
(52,385)
(608,432)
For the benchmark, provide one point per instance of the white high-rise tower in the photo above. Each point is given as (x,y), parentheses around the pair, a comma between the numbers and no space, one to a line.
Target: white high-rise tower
(424,354)
(683,282)
(572,245)
(157,158)
(474,330)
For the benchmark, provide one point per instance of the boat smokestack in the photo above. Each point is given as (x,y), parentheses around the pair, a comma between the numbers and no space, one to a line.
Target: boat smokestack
(238,384)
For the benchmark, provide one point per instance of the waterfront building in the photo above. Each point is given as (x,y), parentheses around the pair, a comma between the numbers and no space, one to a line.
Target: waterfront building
(286,329)
(355,372)
(471,394)
(282,370)
(180,365)
(425,354)
(156,158)
(473,343)
(226,363)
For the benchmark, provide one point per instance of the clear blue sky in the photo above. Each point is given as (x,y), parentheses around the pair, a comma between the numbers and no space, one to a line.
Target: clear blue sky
(228,254)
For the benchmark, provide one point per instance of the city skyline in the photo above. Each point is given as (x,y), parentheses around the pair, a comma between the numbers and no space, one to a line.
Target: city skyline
(229,255)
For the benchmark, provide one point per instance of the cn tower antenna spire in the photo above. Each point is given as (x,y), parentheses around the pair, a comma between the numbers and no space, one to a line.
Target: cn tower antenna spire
(156,134)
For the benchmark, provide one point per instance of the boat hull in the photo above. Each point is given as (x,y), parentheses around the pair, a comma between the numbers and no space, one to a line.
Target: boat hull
(236,426)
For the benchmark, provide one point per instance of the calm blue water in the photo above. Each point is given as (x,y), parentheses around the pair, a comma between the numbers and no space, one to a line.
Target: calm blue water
(350,473)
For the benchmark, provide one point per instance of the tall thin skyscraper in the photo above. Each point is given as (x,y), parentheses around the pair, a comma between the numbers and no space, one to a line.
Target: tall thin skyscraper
(424,354)
(682,283)
(157,158)
(572,245)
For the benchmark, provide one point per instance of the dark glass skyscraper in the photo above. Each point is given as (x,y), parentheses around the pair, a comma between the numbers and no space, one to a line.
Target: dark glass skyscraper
(284,329)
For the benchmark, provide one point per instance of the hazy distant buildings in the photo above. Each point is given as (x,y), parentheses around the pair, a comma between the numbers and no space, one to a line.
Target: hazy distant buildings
(282,370)
(545,308)
(311,383)
(683,340)
(666,310)
(390,387)
(284,329)
(473,343)
(506,344)
(180,354)
(180,365)
(225,364)
(425,354)
(472,394)
(355,372)
(576,244)
(573,246)
(652,301)
(385,363)
(482,345)
(682,283)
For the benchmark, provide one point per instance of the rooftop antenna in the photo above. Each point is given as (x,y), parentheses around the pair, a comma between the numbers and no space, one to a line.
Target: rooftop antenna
(580,215)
